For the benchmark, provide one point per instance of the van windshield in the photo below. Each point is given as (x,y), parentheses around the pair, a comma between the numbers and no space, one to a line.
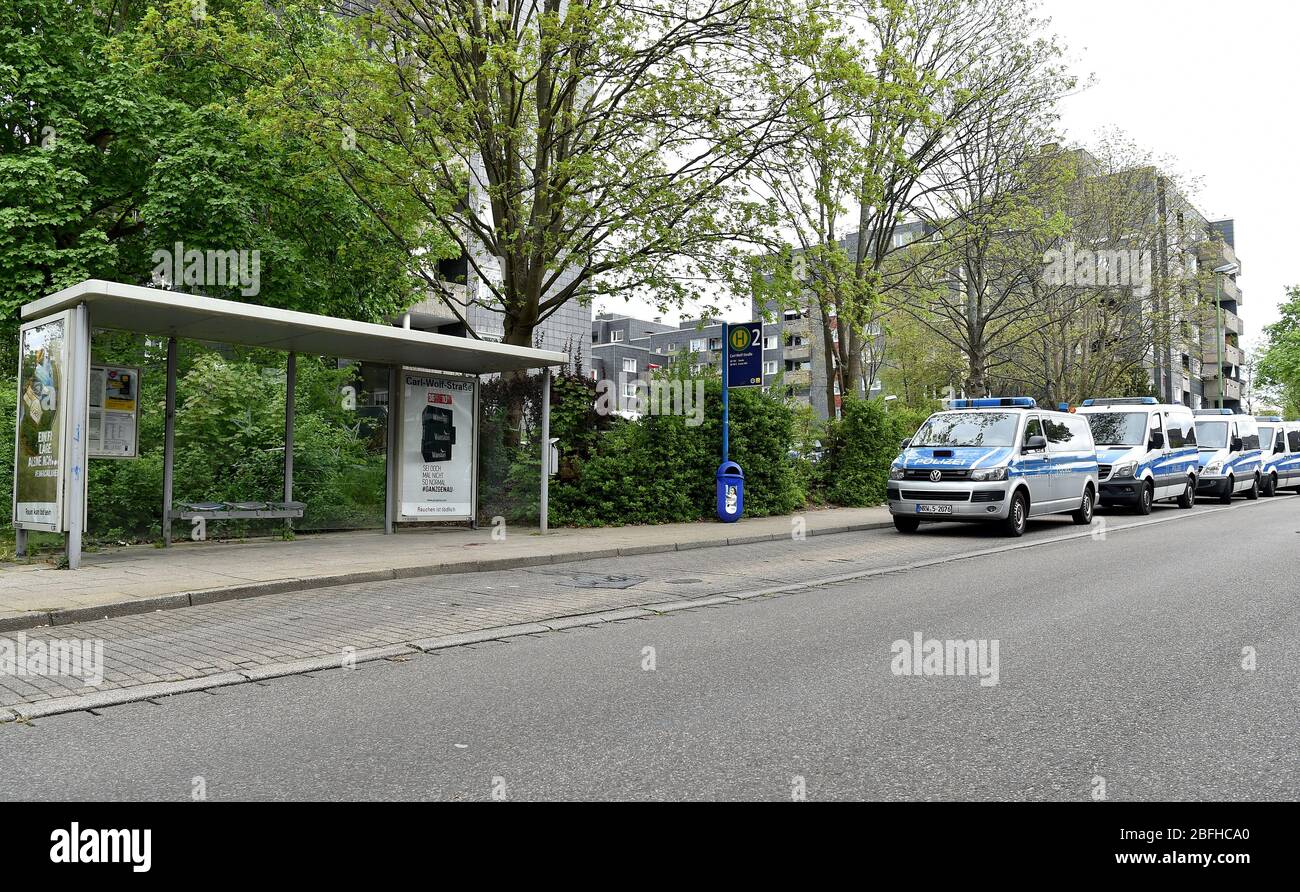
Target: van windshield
(1266,437)
(1212,434)
(968,429)
(1118,428)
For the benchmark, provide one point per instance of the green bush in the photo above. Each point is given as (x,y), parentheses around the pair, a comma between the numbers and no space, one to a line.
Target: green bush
(660,469)
(860,447)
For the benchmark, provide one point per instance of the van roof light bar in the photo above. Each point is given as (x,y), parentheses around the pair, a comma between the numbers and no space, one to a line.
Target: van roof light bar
(994,402)
(1122,401)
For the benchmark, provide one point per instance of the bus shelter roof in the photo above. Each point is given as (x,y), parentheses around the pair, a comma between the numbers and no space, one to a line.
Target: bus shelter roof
(156,311)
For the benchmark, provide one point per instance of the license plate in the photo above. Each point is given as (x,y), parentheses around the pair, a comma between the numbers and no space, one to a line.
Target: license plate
(934,509)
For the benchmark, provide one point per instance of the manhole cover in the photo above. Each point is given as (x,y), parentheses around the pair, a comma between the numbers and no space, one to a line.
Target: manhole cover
(602,580)
(682,581)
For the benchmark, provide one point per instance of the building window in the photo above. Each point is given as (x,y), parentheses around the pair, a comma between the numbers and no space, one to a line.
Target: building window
(769,368)
(629,391)
(629,365)
(697,345)
(771,342)
(615,336)
(715,343)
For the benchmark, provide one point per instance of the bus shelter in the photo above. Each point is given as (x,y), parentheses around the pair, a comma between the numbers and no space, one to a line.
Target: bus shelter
(70,409)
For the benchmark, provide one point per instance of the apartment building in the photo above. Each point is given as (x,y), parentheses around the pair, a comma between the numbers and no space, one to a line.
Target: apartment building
(1219,342)
(626,349)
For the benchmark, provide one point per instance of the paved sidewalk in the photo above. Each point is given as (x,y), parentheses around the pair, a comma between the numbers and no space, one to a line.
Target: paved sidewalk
(140,579)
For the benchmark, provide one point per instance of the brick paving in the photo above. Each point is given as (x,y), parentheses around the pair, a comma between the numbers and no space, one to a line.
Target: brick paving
(230,636)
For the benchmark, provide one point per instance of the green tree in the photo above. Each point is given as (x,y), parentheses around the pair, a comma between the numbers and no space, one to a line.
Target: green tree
(1279,364)
(117,140)
(569,150)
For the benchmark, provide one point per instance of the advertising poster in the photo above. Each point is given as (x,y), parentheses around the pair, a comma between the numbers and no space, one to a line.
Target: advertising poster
(437,446)
(40,450)
(114,411)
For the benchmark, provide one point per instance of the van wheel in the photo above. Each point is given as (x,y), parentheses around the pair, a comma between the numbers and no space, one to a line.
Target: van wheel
(1084,514)
(1017,517)
(906,524)
(1146,499)
(1226,498)
(1253,493)
(1270,487)
(1188,498)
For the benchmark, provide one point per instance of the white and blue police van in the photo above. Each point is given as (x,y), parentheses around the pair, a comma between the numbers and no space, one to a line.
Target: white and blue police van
(1000,460)
(1279,443)
(1230,457)
(1146,451)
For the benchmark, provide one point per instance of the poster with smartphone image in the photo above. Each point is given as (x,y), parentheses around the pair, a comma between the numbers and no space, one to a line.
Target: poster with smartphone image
(436,478)
(114,411)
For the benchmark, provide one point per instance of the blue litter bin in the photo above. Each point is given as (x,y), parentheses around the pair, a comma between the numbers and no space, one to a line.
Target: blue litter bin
(731,492)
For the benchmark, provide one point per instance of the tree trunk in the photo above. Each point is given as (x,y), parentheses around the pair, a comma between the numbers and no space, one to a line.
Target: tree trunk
(517,334)
(832,366)
(976,386)
(853,371)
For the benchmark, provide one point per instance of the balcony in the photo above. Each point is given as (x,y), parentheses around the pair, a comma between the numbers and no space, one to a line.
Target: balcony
(797,352)
(1229,290)
(1231,356)
(1231,322)
(796,327)
(798,379)
(1215,253)
(1231,390)
(433,311)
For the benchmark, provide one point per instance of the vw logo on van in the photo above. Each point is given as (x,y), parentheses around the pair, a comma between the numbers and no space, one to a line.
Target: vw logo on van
(936,476)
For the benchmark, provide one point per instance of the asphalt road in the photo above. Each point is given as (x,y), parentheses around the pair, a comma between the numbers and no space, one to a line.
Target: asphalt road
(1119,661)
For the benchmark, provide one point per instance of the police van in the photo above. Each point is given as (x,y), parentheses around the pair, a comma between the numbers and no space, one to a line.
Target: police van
(1001,460)
(1279,441)
(1230,457)
(1146,451)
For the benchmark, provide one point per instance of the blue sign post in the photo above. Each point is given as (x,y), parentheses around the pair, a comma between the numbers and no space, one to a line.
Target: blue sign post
(742,366)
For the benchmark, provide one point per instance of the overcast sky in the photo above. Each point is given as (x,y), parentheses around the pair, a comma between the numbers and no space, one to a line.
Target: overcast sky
(1214,86)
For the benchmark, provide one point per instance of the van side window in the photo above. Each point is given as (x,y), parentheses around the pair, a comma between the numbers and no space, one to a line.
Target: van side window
(1279,445)
(1293,437)
(1250,441)
(1059,436)
(1189,433)
(1032,429)
(1082,431)
(1174,433)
